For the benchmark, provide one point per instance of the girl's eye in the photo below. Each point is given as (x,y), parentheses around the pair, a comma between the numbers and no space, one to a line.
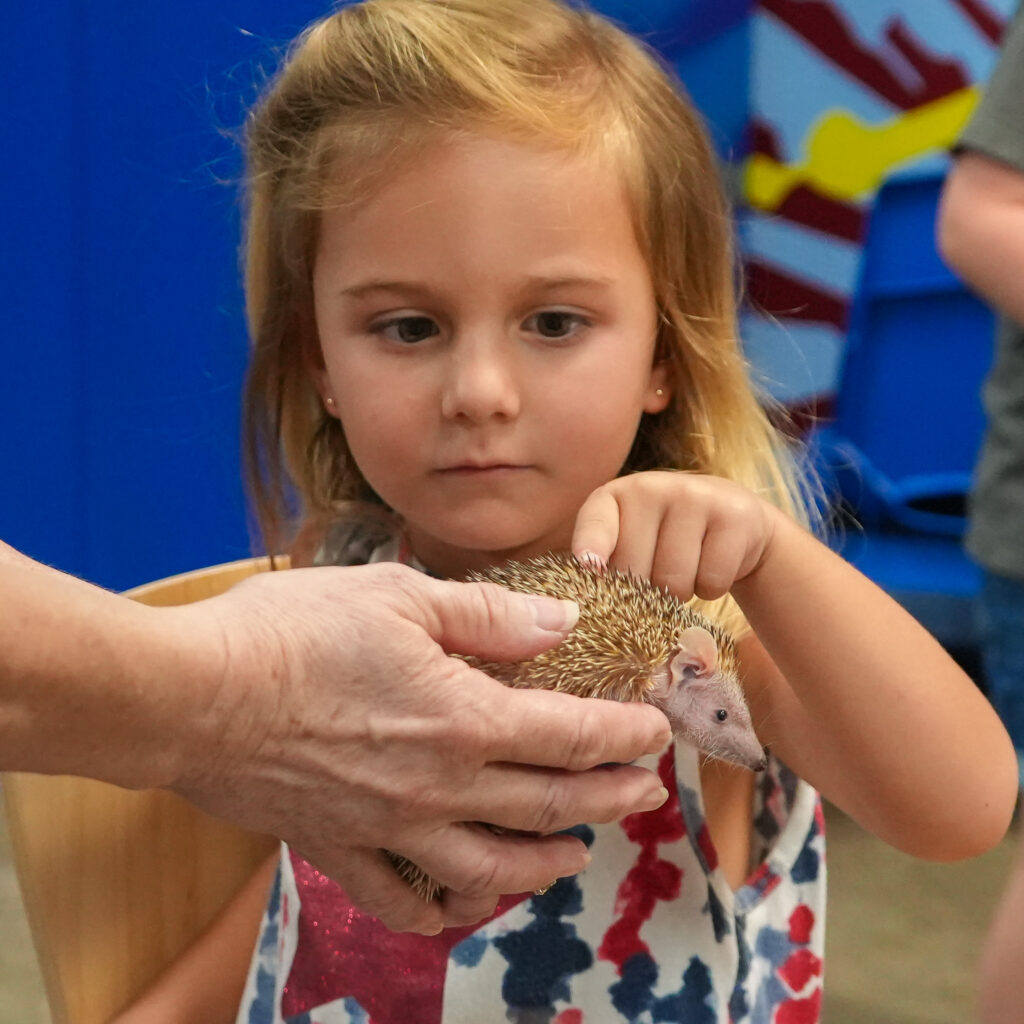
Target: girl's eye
(554,323)
(407,329)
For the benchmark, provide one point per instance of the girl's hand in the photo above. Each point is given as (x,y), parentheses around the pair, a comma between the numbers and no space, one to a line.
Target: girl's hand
(850,692)
(691,533)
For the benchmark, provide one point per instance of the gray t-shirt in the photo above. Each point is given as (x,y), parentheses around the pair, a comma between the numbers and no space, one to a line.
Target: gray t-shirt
(995,535)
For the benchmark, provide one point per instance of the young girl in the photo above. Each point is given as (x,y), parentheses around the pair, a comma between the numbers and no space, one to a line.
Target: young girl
(491,295)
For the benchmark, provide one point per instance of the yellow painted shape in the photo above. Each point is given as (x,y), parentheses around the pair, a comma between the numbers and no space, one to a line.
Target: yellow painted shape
(846,158)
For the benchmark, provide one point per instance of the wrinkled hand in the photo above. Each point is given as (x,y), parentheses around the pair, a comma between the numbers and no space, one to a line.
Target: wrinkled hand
(343,727)
(691,533)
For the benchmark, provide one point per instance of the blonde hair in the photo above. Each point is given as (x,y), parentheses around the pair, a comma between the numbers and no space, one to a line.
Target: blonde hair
(370,84)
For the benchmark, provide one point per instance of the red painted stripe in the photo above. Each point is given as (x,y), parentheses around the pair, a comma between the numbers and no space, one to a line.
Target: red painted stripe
(811,209)
(822,25)
(787,297)
(991,24)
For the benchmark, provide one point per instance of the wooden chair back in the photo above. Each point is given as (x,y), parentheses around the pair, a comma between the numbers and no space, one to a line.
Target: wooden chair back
(117,883)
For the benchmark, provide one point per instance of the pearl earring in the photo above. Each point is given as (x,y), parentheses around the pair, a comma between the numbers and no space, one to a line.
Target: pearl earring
(329,402)
(660,392)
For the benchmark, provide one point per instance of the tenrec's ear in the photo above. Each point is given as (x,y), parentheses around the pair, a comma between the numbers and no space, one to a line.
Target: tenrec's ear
(659,388)
(698,654)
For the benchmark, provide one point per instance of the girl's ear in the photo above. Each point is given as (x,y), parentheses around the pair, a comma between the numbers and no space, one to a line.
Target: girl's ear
(314,360)
(659,388)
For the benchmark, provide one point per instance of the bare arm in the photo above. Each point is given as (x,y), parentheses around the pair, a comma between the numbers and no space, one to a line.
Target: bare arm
(844,685)
(319,705)
(863,702)
(205,983)
(77,687)
(981,229)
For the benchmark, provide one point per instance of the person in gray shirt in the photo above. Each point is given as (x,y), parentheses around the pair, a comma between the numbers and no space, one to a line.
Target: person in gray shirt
(981,235)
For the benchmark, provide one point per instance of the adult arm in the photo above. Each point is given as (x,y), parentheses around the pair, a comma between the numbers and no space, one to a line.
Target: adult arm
(981,217)
(319,705)
(981,229)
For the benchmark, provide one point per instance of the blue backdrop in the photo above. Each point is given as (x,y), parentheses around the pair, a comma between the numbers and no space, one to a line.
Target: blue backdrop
(123,344)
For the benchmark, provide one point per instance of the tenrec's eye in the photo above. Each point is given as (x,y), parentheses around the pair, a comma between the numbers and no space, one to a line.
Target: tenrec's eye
(721,714)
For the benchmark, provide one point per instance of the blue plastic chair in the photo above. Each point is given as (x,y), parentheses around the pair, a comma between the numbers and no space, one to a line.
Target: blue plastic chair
(908,419)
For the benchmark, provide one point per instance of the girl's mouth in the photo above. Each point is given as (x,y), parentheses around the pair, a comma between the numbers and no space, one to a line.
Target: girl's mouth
(470,469)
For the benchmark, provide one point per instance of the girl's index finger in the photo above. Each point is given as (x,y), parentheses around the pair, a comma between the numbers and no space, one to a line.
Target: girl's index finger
(557,730)
(597,528)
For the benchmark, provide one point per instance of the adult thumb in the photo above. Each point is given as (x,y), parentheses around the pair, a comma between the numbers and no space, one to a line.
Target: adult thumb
(490,622)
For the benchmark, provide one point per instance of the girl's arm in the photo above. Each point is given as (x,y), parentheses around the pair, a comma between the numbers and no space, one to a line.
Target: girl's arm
(204,985)
(865,704)
(845,686)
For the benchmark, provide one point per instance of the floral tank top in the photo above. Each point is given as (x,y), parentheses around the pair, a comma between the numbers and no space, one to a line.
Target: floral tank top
(650,932)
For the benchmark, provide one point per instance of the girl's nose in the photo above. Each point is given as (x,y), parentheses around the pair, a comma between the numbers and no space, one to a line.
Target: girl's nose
(480,383)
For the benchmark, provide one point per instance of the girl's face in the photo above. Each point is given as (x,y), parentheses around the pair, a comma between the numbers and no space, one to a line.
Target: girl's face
(487,327)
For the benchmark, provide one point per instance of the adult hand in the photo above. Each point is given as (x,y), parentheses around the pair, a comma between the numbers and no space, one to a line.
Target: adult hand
(340,724)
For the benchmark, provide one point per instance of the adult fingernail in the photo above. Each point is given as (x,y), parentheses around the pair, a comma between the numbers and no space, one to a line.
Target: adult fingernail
(655,799)
(553,615)
(585,858)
